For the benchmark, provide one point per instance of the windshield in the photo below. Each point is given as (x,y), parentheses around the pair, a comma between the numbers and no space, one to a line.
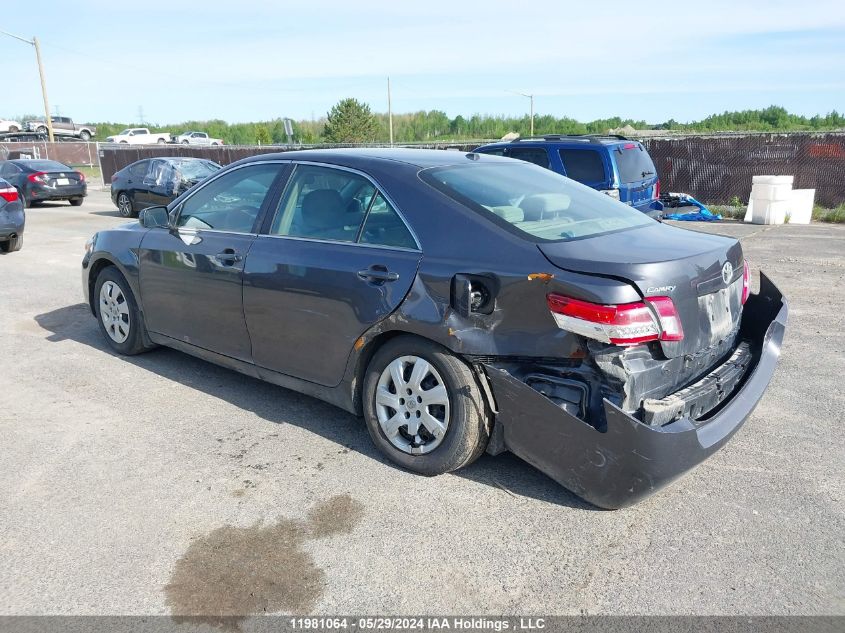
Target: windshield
(534,201)
(195,169)
(633,162)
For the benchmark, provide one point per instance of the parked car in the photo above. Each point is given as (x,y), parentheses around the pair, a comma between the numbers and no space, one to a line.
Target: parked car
(63,126)
(12,218)
(10,126)
(139,136)
(156,181)
(41,180)
(614,165)
(197,138)
(459,302)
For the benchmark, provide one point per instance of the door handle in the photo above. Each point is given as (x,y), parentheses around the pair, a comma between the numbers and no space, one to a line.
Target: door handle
(378,274)
(228,257)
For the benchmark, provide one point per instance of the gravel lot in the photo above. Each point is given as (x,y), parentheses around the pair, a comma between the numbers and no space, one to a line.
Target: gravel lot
(148,485)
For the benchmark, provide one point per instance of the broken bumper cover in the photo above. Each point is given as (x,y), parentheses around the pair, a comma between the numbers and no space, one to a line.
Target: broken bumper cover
(632,460)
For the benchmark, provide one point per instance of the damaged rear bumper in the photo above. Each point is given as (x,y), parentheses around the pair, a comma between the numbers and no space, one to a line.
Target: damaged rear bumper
(632,460)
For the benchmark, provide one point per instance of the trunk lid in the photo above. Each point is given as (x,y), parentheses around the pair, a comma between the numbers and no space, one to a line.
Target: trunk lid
(661,260)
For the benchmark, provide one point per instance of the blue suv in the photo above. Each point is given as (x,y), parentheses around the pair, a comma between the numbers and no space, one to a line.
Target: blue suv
(614,165)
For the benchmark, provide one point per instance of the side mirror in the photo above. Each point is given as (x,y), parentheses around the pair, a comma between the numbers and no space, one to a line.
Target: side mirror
(154,218)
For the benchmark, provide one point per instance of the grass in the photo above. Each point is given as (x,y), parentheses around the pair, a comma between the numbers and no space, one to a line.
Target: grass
(823,214)
(91,173)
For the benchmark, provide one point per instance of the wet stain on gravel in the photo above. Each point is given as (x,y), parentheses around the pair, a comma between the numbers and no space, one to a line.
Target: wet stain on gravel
(232,573)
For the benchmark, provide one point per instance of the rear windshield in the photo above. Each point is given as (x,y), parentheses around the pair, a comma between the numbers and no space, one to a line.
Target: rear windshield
(45,165)
(536,202)
(633,162)
(195,169)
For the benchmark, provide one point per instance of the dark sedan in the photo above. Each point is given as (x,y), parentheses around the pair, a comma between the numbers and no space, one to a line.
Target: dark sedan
(156,181)
(41,180)
(12,218)
(460,303)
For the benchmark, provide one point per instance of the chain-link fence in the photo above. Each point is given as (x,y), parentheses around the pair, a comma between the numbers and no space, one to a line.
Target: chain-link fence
(712,168)
(716,168)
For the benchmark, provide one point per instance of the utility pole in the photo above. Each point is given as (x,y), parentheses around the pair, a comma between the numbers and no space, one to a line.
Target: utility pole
(43,89)
(531,97)
(34,42)
(389,113)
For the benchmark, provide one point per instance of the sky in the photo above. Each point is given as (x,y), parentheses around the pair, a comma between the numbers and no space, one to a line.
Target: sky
(250,60)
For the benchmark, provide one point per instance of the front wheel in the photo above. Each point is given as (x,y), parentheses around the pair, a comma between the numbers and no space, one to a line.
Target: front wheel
(85,135)
(41,129)
(124,205)
(423,407)
(118,314)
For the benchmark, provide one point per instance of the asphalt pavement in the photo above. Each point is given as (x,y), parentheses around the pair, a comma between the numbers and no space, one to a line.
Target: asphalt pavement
(148,485)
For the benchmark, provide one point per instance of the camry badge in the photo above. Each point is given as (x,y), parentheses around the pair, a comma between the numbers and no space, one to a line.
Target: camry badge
(727,272)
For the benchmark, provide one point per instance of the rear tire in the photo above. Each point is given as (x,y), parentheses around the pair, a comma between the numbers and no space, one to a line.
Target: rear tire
(12,245)
(124,205)
(440,394)
(14,128)
(75,202)
(161,141)
(41,129)
(117,313)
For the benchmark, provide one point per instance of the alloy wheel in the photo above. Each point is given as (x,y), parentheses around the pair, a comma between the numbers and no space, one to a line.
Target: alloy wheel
(114,312)
(124,205)
(412,405)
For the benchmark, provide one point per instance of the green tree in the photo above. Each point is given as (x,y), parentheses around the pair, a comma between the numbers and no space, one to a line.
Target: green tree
(262,135)
(350,121)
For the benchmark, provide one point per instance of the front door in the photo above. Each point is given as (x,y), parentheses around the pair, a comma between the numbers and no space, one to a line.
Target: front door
(335,260)
(192,274)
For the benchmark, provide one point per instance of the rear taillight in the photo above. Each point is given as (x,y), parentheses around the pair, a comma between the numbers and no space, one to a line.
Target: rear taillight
(621,324)
(38,176)
(746,281)
(9,194)
(81,176)
(657,189)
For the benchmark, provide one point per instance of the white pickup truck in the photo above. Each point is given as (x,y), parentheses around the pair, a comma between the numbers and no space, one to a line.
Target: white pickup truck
(139,136)
(197,138)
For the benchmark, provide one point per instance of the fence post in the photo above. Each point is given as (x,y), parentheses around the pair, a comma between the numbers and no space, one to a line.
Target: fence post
(100,164)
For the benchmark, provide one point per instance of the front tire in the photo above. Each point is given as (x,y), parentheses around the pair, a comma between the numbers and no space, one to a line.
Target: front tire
(124,205)
(117,313)
(423,407)
(85,135)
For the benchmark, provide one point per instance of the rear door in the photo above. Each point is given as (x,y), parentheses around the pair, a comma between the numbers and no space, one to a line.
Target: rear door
(192,274)
(335,259)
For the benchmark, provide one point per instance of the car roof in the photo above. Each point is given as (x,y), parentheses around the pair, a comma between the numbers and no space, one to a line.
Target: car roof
(572,140)
(356,156)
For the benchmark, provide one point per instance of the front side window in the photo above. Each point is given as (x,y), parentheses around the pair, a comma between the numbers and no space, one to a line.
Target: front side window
(158,174)
(323,203)
(231,202)
(538,204)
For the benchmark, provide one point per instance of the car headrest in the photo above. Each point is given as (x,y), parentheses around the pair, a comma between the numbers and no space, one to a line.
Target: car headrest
(509,213)
(323,209)
(544,205)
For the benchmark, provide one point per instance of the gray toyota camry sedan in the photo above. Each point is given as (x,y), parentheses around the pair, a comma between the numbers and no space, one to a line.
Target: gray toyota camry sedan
(460,303)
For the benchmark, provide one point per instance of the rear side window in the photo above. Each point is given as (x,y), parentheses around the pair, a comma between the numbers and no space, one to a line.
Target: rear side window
(633,162)
(583,165)
(323,203)
(493,151)
(139,170)
(384,227)
(536,155)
